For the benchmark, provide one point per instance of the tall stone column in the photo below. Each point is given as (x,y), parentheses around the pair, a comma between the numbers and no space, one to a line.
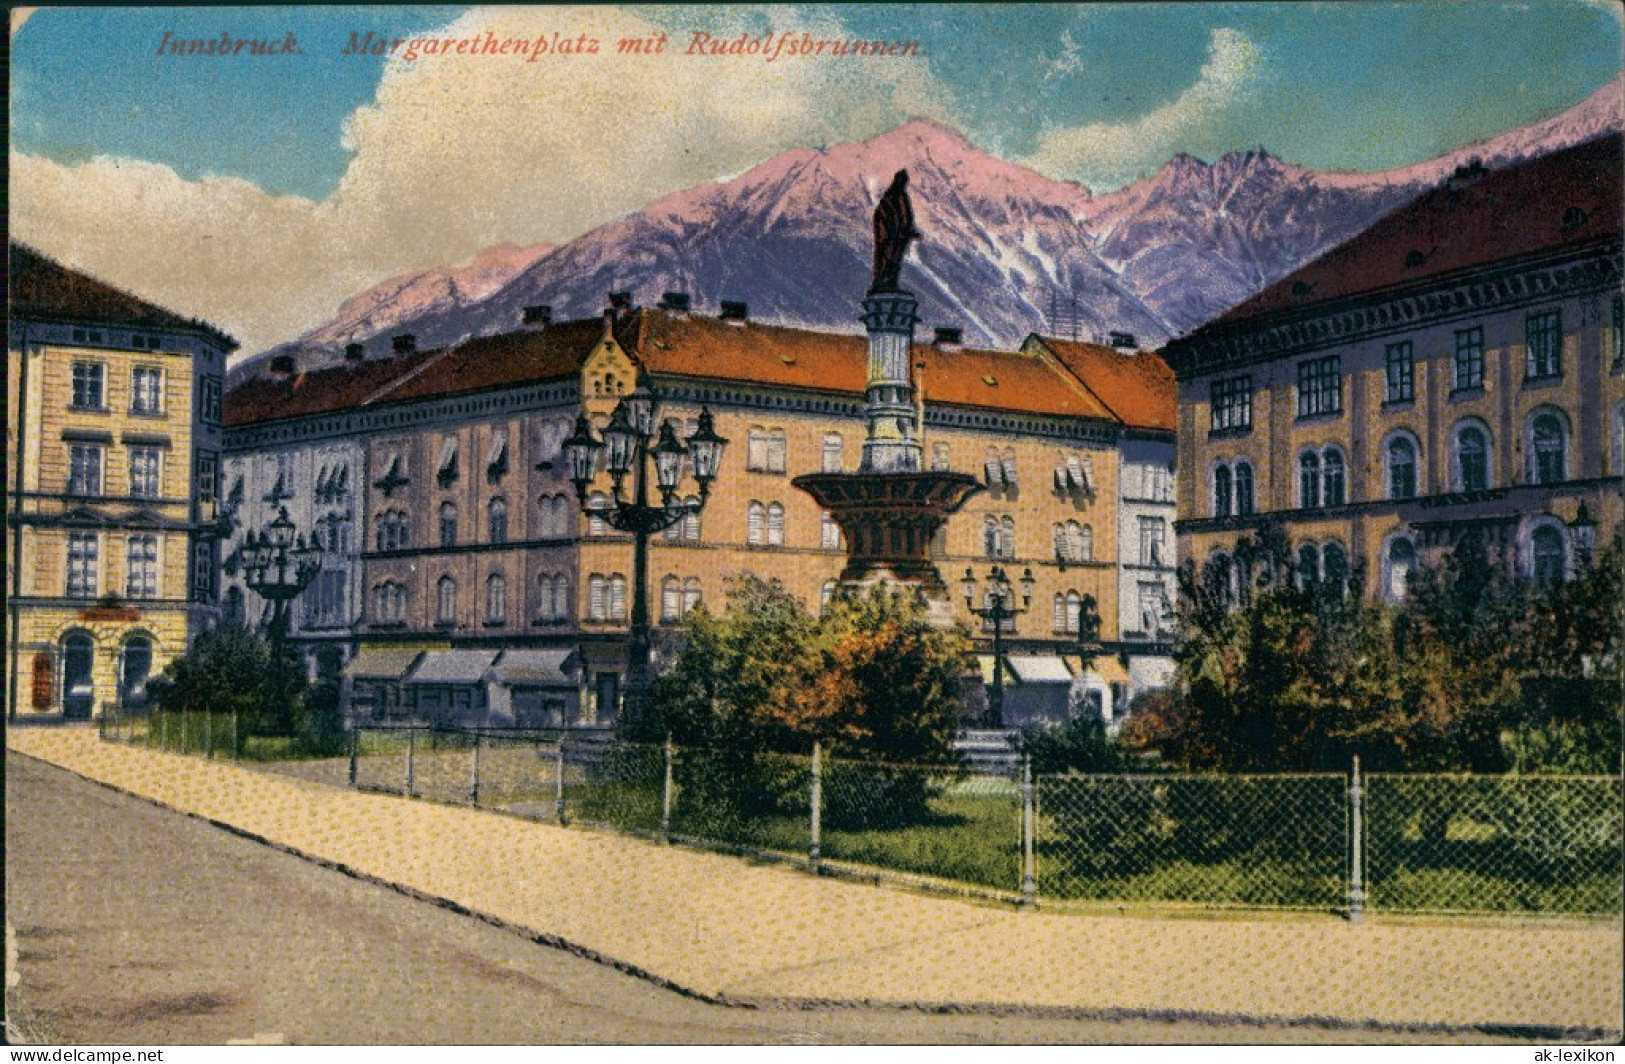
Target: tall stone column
(893,441)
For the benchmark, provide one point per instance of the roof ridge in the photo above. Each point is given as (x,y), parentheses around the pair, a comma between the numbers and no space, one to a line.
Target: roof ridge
(1072,374)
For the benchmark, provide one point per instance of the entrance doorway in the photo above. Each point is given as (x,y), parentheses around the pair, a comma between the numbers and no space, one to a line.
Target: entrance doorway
(135,667)
(78,689)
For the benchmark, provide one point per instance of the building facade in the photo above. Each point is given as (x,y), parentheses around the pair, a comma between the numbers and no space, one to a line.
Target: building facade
(1455,370)
(471,535)
(113,455)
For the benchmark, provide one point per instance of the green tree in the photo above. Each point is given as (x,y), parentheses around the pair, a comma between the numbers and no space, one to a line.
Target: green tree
(224,672)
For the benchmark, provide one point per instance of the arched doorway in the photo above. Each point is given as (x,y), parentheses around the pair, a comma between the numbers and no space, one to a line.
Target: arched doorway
(135,665)
(78,687)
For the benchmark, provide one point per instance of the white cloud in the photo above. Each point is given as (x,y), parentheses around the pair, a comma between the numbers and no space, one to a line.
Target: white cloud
(456,153)
(1105,156)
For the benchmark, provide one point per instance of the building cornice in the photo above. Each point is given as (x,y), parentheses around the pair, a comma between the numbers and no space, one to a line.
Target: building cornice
(1495,288)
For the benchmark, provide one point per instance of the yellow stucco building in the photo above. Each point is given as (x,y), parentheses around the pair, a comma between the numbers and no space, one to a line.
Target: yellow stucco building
(113,411)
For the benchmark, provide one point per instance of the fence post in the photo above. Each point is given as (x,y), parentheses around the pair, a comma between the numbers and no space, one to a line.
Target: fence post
(163,732)
(236,743)
(182,747)
(355,751)
(817,803)
(474,782)
(665,795)
(1356,843)
(1029,876)
(208,735)
(558,783)
(411,757)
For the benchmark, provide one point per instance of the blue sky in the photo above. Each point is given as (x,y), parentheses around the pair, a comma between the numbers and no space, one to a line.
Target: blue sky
(259,192)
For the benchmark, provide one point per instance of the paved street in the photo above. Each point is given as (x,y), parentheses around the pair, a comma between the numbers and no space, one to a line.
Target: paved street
(356,962)
(126,933)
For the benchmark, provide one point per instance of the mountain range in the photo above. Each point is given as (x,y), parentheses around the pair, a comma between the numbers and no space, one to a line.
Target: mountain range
(1003,251)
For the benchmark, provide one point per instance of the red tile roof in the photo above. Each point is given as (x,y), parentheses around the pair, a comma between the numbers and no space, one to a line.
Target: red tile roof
(1137,387)
(704,347)
(42,289)
(1567,199)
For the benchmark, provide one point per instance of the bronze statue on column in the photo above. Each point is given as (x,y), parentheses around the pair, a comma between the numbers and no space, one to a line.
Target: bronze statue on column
(894,230)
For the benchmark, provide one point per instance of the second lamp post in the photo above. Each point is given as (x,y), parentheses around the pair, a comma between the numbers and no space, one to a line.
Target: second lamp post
(999,607)
(630,439)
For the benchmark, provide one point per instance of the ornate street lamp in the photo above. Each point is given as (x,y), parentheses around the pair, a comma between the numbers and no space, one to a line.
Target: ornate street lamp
(630,439)
(1001,607)
(1584,529)
(278,566)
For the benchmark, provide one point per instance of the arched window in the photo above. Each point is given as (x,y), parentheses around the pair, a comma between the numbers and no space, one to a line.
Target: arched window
(1007,537)
(1069,542)
(1400,562)
(990,536)
(1309,480)
(1221,491)
(691,520)
(448,524)
(1087,543)
(597,597)
(691,594)
(1334,484)
(617,597)
(1244,489)
(1218,576)
(1074,612)
(561,597)
(1547,556)
(597,504)
(78,684)
(1334,566)
(496,598)
(135,665)
(1548,447)
(446,599)
(833,446)
(775,525)
(1308,565)
(499,520)
(756,524)
(829,533)
(1472,457)
(1059,619)
(671,599)
(1400,457)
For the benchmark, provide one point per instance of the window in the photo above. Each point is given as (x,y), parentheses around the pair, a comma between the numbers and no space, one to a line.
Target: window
(756,524)
(1334,567)
(826,595)
(617,597)
(146,390)
(448,524)
(990,536)
(1007,537)
(1618,456)
(499,521)
(145,480)
(1073,473)
(1400,562)
(1244,489)
(1401,373)
(1008,623)
(84,469)
(939,458)
(1308,566)
(1072,542)
(993,469)
(1007,465)
(496,598)
(1547,449)
(135,666)
(496,454)
(1469,358)
(210,392)
(236,610)
(1320,387)
(597,597)
(141,580)
(1547,561)
(691,595)
(1153,603)
(389,603)
(390,530)
(1230,401)
(1334,485)
(1472,458)
(445,601)
(208,477)
(1221,492)
(203,570)
(84,549)
(829,533)
(1152,533)
(1309,480)
(832,453)
(671,600)
(766,451)
(89,386)
(1068,608)
(597,506)
(1400,456)
(775,525)
(445,469)
(1544,333)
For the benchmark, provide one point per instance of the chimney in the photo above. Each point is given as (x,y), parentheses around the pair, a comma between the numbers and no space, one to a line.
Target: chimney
(735,312)
(948,339)
(404,344)
(282,366)
(620,300)
(540,316)
(1468,173)
(354,352)
(676,302)
(1122,341)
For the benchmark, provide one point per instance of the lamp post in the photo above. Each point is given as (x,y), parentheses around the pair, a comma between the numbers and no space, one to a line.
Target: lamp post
(1584,529)
(630,439)
(278,566)
(1000,607)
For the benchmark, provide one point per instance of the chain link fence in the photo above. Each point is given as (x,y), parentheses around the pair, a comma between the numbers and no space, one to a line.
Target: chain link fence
(1381,842)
